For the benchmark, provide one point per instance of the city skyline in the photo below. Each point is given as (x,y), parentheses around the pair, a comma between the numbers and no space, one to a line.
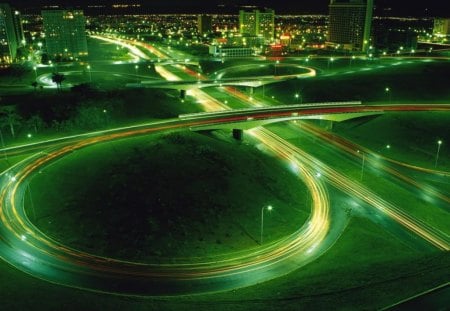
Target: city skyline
(382,7)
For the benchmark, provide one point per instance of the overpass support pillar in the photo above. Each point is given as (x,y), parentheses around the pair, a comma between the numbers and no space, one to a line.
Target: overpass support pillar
(330,126)
(238,134)
(250,90)
(182,94)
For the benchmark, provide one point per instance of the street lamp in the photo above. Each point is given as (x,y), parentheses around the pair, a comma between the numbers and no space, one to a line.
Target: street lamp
(439,143)
(330,60)
(275,67)
(352,59)
(35,72)
(388,92)
(136,69)
(90,75)
(269,208)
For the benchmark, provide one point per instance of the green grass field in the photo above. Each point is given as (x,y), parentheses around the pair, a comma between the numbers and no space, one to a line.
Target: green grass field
(179,195)
(412,137)
(366,269)
(414,82)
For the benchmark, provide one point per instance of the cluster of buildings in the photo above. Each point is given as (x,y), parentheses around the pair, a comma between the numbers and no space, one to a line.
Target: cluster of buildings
(256,30)
(63,30)
(349,27)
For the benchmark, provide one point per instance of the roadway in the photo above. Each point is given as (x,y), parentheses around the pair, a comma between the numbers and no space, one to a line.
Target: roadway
(30,250)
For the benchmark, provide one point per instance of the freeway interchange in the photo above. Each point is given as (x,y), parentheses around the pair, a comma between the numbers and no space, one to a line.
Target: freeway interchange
(30,250)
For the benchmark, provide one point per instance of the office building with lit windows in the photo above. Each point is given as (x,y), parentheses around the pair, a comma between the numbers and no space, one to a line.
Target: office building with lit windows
(257,23)
(204,24)
(441,27)
(18,28)
(8,37)
(65,34)
(350,23)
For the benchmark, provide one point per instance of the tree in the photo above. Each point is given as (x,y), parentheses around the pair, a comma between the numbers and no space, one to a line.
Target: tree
(83,89)
(22,53)
(90,118)
(44,58)
(35,85)
(58,78)
(35,122)
(9,117)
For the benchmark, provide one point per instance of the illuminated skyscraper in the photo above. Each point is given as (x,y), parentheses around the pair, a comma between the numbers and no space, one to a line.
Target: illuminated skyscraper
(18,28)
(257,23)
(350,23)
(8,37)
(204,23)
(441,27)
(65,34)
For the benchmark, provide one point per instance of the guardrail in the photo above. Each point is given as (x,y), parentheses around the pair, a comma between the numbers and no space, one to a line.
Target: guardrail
(269,108)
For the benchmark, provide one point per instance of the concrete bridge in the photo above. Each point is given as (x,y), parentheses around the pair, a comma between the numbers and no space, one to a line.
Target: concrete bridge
(244,119)
(201,83)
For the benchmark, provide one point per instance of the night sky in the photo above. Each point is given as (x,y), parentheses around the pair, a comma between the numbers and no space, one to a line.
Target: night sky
(397,7)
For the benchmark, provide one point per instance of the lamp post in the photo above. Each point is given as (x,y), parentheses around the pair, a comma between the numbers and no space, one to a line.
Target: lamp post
(388,92)
(275,67)
(136,69)
(352,59)
(269,208)
(439,143)
(330,60)
(35,72)
(90,75)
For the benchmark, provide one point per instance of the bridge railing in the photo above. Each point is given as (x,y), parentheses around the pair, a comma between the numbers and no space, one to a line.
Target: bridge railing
(266,109)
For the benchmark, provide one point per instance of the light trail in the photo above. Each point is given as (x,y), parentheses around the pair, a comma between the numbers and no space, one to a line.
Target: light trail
(248,268)
(437,238)
(28,249)
(357,150)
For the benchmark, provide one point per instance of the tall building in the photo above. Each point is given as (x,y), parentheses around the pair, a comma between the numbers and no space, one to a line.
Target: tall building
(350,23)
(65,34)
(18,28)
(441,27)
(8,38)
(204,24)
(257,23)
